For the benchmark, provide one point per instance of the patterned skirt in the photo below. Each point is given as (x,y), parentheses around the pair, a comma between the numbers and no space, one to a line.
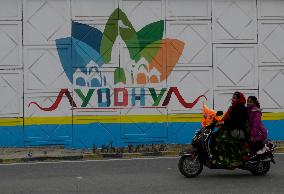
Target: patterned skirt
(230,151)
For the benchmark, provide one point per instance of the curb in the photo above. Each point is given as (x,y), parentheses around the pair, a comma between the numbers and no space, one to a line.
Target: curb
(102,156)
(82,157)
(40,159)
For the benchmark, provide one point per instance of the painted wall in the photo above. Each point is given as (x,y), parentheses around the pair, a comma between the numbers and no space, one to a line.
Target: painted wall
(94,72)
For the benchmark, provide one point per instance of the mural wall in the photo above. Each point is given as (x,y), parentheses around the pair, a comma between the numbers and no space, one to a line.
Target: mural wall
(84,73)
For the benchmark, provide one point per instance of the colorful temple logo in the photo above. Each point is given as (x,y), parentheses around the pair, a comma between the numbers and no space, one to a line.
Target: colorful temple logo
(152,57)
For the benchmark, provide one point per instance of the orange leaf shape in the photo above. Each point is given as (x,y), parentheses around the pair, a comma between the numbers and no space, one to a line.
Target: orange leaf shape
(167,57)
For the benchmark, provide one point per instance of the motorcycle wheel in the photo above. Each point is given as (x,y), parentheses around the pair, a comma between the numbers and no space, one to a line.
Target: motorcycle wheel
(261,168)
(189,166)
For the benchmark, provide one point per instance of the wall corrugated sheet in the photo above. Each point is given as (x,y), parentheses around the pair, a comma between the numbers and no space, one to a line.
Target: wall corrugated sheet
(119,59)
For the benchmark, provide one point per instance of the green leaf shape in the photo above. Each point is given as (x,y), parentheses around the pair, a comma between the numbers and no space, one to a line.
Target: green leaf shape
(151,33)
(119,76)
(119,24)
(108,39)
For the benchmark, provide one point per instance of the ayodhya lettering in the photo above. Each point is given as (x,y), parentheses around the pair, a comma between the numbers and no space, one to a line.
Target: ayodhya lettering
(119,98)
(92,49)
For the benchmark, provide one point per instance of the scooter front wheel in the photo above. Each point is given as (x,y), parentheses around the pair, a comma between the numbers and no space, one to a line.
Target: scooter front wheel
(261,168)
(190,166)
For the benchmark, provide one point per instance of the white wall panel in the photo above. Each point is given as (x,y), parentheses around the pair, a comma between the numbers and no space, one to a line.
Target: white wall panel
(234,21)
(43,69)
(271,81)
(271,42)
(188,9)
(10,44)
(11,87)
(270,9)
(234,24)
(90,9)
(142,13)
(139,130)
(45,21)
(145,110)
(197,38)
(222,99)
(235,66)
(191,82)
(11,10)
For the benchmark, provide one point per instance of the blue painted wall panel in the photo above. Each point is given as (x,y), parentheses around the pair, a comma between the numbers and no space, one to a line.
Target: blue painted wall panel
(48,134)
(106,134)
(11,136)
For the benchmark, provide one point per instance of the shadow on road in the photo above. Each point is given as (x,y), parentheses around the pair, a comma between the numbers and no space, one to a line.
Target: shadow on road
(233,175)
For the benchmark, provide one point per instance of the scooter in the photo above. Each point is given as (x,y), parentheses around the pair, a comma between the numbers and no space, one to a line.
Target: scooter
(199,154)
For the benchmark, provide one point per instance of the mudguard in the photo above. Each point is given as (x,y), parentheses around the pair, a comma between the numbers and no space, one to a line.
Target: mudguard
(190,151)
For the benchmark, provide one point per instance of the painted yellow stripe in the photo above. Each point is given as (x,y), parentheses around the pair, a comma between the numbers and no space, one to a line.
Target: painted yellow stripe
(273,116)
(48,120)
(116,119)
(185,118)
(11,121)
(120,119)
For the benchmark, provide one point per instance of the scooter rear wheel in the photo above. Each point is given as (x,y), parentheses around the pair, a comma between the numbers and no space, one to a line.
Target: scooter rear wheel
(189,166)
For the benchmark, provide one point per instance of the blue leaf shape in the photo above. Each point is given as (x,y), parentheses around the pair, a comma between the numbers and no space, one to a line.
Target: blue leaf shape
(87,34)
(86,52)
(76,55)
(65,56)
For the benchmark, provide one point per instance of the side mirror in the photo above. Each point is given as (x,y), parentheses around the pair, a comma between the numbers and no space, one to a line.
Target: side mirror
(219,113)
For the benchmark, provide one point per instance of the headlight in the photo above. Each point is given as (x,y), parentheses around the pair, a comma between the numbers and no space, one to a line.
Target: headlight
(198,131)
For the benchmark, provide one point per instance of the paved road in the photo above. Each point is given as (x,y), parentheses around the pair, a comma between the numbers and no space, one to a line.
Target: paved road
(132,176)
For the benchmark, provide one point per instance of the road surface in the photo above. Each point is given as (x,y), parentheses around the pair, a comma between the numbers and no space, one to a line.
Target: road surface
(141,176)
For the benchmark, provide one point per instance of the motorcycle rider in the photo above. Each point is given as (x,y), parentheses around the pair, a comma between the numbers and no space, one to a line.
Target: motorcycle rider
(233,133)
(227,148)
(257,131)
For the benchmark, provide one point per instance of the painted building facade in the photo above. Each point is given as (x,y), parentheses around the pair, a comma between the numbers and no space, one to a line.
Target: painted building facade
(84,73)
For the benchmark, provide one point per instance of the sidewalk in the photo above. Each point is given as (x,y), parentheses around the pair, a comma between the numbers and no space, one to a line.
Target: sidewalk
(32,154)
(28,154)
